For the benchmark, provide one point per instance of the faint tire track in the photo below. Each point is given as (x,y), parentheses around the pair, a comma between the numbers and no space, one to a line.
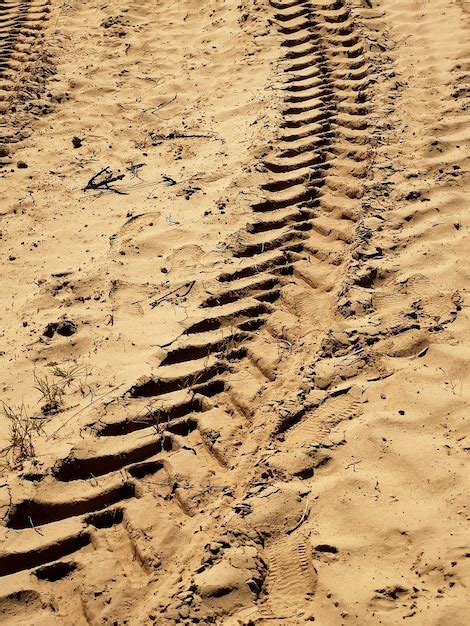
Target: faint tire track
(23,68)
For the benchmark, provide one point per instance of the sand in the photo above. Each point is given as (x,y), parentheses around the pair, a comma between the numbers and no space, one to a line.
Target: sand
(235,332)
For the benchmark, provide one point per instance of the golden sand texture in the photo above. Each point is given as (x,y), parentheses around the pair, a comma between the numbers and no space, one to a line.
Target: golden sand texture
(234,332)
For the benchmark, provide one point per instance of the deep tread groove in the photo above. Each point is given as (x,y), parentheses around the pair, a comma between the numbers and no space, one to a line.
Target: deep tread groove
(19,561)
(55,571)
(30,513)
(75,468)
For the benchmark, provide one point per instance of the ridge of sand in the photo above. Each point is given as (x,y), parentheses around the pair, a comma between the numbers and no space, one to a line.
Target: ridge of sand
(274,432)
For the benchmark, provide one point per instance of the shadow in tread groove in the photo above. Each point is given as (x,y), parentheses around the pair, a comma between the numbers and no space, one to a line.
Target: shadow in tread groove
(13,562)
(31,513)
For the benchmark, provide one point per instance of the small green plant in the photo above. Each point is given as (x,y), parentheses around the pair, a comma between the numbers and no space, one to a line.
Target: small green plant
(230,343)
(61,378)
(22,428)
(193,379)
(51,392)
(77,373)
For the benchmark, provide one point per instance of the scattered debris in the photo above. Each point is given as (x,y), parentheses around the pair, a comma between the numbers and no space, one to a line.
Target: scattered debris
(134,169)
(174,292)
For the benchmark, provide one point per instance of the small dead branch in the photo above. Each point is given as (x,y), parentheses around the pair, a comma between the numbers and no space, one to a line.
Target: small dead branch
(134,169)
(157,138)
(102,181)
(164,104)
(174,292)
(302,519)
(353,465)
(170,222)
(168,180)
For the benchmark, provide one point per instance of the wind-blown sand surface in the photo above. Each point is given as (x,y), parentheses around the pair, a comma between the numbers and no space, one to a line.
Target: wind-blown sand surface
(243,360)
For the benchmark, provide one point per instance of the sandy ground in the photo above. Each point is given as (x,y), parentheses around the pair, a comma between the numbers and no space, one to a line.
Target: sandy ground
(234,336)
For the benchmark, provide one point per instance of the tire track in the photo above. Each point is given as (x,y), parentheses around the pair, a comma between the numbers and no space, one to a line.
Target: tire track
(315,180)
(23,66)
(300,238)
(308,247)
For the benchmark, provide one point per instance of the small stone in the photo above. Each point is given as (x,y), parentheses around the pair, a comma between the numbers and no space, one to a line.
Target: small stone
(214,547)
(21,165)
(184,595)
